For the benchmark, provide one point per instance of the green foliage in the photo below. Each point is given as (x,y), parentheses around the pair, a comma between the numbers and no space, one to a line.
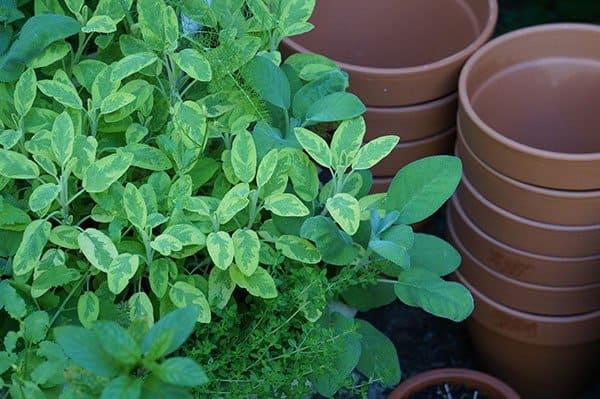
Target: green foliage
(159,161)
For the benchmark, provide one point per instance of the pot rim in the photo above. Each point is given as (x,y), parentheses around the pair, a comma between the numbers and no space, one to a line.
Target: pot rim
(485,50)
(485,33)
(497,389)
(424,106)
(403,145)
(548,192)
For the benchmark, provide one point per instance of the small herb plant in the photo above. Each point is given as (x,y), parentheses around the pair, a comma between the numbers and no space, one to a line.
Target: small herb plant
(159,161)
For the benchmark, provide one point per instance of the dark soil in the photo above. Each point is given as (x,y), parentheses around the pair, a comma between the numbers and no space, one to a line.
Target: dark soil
(447,391)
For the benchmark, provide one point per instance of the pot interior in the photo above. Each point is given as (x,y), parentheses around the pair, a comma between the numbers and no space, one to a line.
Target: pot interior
(549,103)
(393,33)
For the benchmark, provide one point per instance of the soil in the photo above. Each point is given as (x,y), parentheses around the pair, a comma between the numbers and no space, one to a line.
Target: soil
(447,391)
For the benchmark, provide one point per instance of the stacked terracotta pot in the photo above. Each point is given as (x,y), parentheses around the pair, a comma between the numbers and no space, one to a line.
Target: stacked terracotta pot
(526,217)
(403,59)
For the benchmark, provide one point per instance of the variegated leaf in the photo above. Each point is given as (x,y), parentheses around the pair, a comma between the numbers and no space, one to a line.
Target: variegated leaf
(104,172)
(243,156)
(34,240)
(121,270)
(63,138)
(346,142)
(98,249)
(88,308)
(246,250)
(183,294)
(221,249)
(135,206)
(374,151)
(220,288)
(259,284)
(286,204)
(345,211)
(315,146)
(297,248)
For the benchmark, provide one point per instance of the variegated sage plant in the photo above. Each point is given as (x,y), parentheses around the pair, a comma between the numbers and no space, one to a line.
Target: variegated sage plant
(163,173)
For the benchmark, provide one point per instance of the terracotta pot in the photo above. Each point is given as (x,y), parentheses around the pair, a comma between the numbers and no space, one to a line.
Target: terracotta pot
(540,356)
(517,264)
(529,105)
(412,122)
(485,384)
(525,234)
(409,151)
(523,296)
(531,202)
(398,52)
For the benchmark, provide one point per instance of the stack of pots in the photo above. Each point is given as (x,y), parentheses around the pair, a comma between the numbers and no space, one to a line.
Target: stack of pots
(403,59)
(526,216)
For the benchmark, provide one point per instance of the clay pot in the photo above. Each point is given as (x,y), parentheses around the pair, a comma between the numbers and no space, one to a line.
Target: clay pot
(540,356)
(520,265)
(485,384)
(412,122)
(398,52)
(531,202)
(525,234)
(409,151)
(522,296)
(529,105)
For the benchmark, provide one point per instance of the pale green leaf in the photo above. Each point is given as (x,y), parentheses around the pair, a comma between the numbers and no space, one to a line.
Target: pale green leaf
(43,196)
(159,276)
(148,157)
(374,151)
(131,64)
(246,250)
(14,165)
(286,204)
(54,52)
(25,92)
(391,251)
(378,357)
(88,308)
(166,244)
(135,206)
(345,211)
(297,248)
(116,101)
(100,24)
(63,138)
(194,64)
(266,168)
(220,288)
(346,142)
(98,249)
(186,234)
(243,156)
(221,249)
(140,308)
(334,107)
(34,240)
(61,92)
(65,236)
(104,172)
(183,294)
(315,146)
(259,284)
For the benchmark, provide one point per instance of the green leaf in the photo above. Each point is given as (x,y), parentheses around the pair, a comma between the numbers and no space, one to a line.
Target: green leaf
(11,301)
(37,33)
(131,64)
(150,18)
(186,234)
(43,196)
(331,82)
(159,276)
(98,249)
(378,356)
(65,236)
(220,288)
(246,250)
(345,211)
(266,168)
(297,248)
(334,245)
(232,203)
(422,288)
(194,64)
(166,244)
(84,349)
(334,107)
(88,308)
(365,298)
(74,5)
(10,138)
(104,172)
(179,322)
(183,294)
(346,142)
(61,92)
(286,205)
(421,188)
(182,372)
(293,16)
(123,387)
(269,81)
(148,157)
(303,174)
(434,254)
(115,10)
(34,240)
(35,326)
(140,308)
(62,138)
(121,271)
(117,342)
(135,207)
(54,276)
(84,151)
(17,166)
(315,146)
(391,251)
(221,249)
(374,151)
(100,24)
(259,284)
(25,92)
(243,156)
(116,101)
(54,52)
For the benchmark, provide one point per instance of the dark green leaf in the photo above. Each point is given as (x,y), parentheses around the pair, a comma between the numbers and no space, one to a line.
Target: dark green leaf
(180,321)
(378,358)
(181,371)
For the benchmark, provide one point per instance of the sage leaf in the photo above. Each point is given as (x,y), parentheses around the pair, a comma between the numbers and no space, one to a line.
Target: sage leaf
(374,151)
(266,168)
(104,172)
(97,248)
(246,250)
(123,387)
(159,276)
(25,92)
(62,138)
(345,211)
(166,244)
(61,92)
(286,204)
(315,146)
(88,308)
(378,356)
(421,188)
(135,206)
(346,142)
(181,371)
(29,252)
(183,294)
(259,284)
(434,254)
(14,165)
(243,156)
(334,107)
(220,288)
(131,64)
(121,270)
(425,289)
(116,101)
(298,249)
(194,64)
(334,245)
(391,251)
(11,301)
(221,249)
(100,24)
(269,81)
(43,196)
(179,323)
(65,236)
(186,234)
(148,157)
(141,309)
